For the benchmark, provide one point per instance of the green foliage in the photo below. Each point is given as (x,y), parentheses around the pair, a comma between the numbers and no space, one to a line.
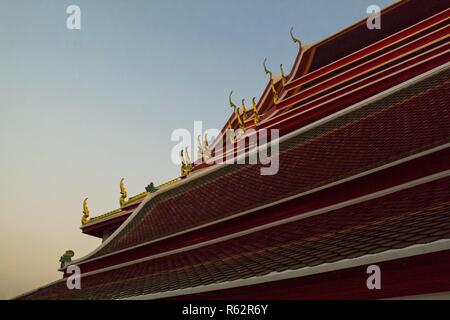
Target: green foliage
(150,188)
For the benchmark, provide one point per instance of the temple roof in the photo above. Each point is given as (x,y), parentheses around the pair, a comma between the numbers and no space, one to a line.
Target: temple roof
(386,196)
(320,156)
(358,123)
(111,220)
(382,224)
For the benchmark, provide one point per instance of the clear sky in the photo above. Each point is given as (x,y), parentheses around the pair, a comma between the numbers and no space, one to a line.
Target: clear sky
(82,109)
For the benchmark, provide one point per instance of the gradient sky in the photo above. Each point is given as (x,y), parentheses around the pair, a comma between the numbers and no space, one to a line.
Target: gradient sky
(82,109)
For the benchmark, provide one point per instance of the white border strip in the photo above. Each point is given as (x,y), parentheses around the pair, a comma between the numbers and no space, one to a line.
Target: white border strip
(201,173)
(393,254)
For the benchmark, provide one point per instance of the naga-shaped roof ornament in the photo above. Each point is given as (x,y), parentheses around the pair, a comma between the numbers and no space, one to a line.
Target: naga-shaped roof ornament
(255,111)
(283,76)
(244,110)
(186,165)
(236,111)
(187,160)
(85,217)
(123,193)
(266,70)
(182,157)
(199,147)
(207,151)
(272,86)
(294,39)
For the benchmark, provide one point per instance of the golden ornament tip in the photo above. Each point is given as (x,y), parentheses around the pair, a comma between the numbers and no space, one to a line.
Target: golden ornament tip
(294,39)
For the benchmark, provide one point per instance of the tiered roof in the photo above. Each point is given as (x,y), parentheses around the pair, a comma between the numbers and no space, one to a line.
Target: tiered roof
(365,137)
(370,227)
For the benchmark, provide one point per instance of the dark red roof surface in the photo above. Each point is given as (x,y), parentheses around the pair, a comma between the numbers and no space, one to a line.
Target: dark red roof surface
(395,18)
(412,120)
(417,215)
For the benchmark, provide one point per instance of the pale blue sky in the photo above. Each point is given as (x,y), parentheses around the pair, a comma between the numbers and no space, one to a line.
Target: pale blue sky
(82,109)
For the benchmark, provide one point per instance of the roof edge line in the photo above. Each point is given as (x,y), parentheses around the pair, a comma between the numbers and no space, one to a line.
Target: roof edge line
(393,254)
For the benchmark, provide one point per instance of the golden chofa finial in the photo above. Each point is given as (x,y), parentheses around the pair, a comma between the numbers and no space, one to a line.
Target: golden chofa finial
(123,193)
(244,111)
(294,39)
(255,111)
(187,160)
(272,86)
(266,70)
(199,147)
(186,165)
(85,217)
(207,151)
(182,157)
(230,132)
(183,164)
(283,76)
(236,111)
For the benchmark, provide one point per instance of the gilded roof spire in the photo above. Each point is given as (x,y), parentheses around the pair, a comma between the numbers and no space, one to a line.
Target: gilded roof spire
(207,151)
(186,165)
(283,76)
(123,193)
(85,217)
(187,160)
(266,70)
(199,147)
(272,86)
(183,164)
(255,111)
(294,39)
(236,110)
(244,111)
(182,157)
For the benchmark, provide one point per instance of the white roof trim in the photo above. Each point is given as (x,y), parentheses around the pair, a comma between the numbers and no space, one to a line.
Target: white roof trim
(307,271)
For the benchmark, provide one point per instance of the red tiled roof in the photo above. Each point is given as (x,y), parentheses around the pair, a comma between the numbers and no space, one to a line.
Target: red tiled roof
(406,122)
(413,119)
(416,215)
(394,18)
(384,64)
